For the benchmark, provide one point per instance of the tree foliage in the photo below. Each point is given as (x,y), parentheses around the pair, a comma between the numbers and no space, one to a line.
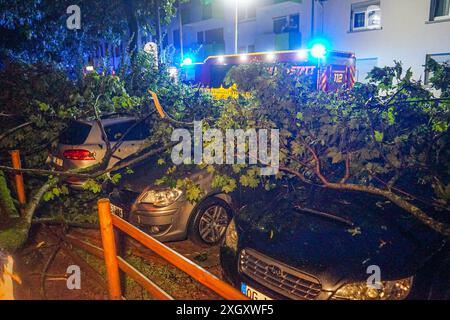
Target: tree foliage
(35,30)
(388,138)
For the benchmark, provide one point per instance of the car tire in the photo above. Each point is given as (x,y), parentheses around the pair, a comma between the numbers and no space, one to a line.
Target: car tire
(208,224)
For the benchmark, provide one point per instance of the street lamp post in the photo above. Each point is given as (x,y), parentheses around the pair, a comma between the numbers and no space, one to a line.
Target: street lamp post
(236,18)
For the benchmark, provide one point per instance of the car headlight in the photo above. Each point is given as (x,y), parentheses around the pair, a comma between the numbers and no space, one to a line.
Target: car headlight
(161,198)
(388,290)
(231,236)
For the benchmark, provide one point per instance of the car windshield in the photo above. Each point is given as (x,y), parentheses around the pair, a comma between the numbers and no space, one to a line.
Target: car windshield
(286,208)
(116,131)
(76,133)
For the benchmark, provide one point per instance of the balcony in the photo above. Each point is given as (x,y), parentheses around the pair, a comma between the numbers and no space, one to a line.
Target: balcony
(212,50)
(288,41)
(196,15)
(202,51)
(281,1)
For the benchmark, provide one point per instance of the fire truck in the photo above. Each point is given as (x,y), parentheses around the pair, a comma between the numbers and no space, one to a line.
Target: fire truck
(330,70)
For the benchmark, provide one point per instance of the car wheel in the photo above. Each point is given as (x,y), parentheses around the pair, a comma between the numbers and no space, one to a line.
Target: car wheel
(210,221)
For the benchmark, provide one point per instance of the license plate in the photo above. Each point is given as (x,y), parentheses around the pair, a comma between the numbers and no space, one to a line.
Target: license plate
(252,293)
(118,211)
(57,161)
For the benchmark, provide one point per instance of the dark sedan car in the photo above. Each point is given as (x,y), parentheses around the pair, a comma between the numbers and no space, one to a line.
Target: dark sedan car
(324,245)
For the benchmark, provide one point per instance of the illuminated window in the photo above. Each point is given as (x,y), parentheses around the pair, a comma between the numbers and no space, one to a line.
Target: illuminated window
(366,16)
(440,9)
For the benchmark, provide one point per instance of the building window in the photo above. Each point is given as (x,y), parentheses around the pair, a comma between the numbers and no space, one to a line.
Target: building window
(363,67)
(176,39)
(214,36)
(185,15)
(207,11)
(440,9)
(440,58)
(200,37)
(286,24)
(247,13)
(366,16)
(165,40)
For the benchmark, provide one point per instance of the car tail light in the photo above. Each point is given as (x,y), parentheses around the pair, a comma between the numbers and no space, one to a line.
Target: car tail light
(78,154)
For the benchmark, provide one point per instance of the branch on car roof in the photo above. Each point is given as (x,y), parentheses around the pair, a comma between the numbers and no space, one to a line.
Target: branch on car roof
(122,139)
(81,173)
(104,163)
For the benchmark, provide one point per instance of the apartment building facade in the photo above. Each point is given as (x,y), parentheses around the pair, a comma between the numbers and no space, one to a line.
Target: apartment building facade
(208,26)
(381,31)
(377,31)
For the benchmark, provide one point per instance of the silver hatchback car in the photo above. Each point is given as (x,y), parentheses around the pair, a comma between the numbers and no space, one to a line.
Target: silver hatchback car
(81,145)
(164,212)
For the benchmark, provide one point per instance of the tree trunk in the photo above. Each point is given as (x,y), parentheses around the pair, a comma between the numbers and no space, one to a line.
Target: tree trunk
(15,236)
(158,28)
(440,227)
(7,207)
(133,27)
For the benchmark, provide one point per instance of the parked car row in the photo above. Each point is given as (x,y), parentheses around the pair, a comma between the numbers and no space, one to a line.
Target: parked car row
(286,243)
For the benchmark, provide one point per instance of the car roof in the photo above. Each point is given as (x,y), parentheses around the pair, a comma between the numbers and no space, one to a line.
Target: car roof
(109,121)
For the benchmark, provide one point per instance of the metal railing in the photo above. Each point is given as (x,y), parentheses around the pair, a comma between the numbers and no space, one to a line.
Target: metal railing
(108,222)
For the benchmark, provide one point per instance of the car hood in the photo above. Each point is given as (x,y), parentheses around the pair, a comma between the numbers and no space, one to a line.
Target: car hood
(336,252)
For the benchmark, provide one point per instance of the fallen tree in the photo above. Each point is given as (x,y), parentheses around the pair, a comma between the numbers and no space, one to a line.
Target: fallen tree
(48,100)
(389,138)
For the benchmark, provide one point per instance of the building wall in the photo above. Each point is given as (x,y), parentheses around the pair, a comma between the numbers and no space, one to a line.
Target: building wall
(406,33)
(255,32)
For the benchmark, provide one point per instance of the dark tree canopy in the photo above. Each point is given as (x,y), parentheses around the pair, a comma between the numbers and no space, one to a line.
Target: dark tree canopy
(36,31)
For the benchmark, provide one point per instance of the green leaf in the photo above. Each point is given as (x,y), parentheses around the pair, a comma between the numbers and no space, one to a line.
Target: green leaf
(379,136)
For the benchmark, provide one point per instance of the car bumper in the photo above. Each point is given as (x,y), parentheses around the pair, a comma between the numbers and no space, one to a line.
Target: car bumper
(165,224)
(230,272)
